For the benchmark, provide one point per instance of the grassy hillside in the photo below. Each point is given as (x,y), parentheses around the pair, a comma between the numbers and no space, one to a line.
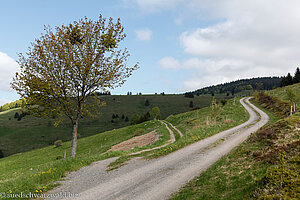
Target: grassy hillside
(32,133)
(266,166)
(281,92)
(38,170)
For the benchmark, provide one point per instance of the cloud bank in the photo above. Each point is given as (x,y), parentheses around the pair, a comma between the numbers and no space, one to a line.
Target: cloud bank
(250,38)
(8,69)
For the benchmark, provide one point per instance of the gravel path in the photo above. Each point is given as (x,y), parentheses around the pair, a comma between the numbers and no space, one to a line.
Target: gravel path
(158,178)
(172,140)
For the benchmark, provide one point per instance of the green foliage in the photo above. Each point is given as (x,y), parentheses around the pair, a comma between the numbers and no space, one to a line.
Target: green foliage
(289,79)
(215,110)
(223,101)
(58,143)
(280,181)
(291,95)
(281,93)
(84,57)
(135,119)
(155,113)
(12,105)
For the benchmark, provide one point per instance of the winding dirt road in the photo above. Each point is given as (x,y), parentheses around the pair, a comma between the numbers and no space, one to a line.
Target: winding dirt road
(159,178)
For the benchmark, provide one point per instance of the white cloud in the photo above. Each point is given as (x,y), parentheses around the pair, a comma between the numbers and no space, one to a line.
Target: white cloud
(144,34)
(8,69)
(169,63)
(241,39)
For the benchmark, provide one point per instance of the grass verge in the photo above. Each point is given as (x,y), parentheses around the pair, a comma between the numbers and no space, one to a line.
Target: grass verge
(246,172)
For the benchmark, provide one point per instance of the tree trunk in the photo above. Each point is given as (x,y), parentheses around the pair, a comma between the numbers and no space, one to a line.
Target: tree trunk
(74,139)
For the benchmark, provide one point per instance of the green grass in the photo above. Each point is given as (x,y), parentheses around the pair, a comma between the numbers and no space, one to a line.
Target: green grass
(238,174)
(194,128)
(39,170)
(30,171)
(281,92)
(33,133)
(232,177)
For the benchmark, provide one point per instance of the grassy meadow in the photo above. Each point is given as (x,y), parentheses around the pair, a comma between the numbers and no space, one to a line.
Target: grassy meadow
(253,169)
(39,170)
(281,92)
(33,133)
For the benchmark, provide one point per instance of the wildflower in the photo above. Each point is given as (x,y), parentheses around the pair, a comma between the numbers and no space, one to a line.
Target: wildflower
(36,191)
(10,191)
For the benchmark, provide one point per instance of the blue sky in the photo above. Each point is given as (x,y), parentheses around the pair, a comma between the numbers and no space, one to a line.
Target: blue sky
(180,45)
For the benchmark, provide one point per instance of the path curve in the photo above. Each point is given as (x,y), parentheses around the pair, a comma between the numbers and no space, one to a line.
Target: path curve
(172,140)
(159,178)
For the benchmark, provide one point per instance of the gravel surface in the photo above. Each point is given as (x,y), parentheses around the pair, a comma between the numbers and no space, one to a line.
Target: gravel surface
(158,178)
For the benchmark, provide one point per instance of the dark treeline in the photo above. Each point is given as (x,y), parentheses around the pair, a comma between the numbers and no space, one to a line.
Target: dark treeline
(263,83)
(290,80)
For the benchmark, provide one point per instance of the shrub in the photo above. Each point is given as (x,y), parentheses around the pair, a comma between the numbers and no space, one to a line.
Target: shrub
(223,102)
(155,113)
(16,115)
(147,102)
(135,119)
(59,157)
(58,143)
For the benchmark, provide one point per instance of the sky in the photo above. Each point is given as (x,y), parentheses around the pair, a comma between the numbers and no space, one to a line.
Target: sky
(180,45)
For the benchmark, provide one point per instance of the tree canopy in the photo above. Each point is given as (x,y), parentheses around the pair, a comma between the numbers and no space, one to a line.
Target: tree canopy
(66,65)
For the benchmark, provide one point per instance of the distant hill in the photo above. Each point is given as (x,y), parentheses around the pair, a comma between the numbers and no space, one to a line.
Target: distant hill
(231,88)
(27,133)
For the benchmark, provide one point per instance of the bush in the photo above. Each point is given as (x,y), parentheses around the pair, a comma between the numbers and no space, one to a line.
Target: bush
(59,157)
(223,102)
(16,115)
(147,102)
(58,143)
(135,119)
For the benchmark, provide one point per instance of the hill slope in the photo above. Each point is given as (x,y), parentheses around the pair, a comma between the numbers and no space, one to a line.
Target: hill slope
(31,133)
(35,171)
(266,166)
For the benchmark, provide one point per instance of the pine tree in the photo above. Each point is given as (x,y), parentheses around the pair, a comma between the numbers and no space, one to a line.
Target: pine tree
(147,102)
(283,82)
(16,115)
(289,79)
(126,119)
(296,78)
(191,104)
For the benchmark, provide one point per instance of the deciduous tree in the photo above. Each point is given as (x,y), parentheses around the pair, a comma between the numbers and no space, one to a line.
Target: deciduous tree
(65,65)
